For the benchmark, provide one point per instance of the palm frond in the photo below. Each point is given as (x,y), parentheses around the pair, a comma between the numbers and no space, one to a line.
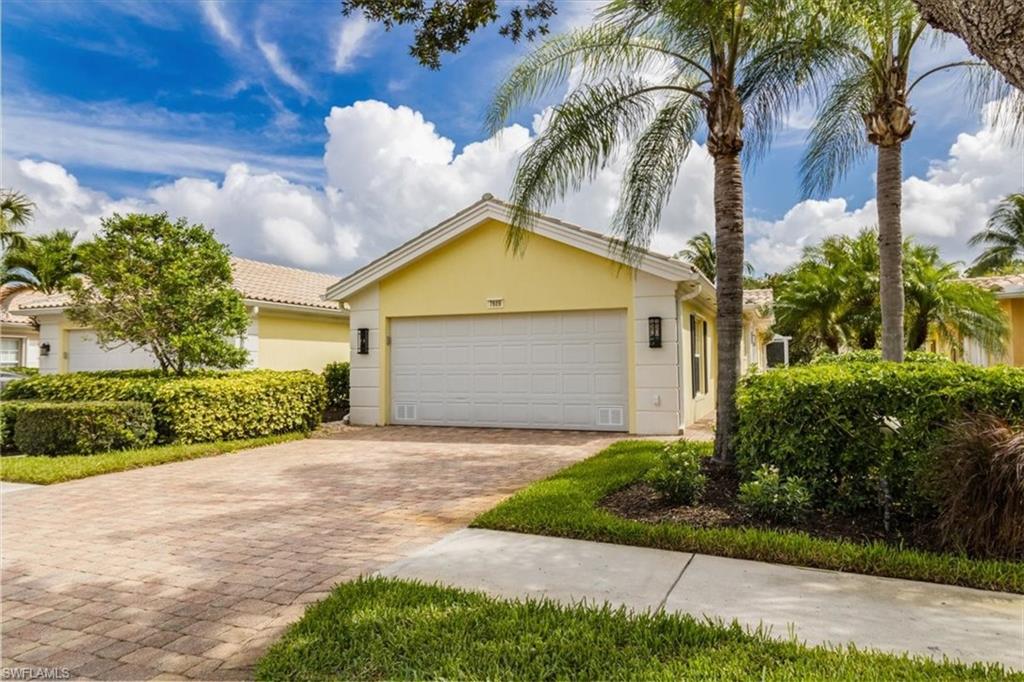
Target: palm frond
(600,51)
(653,167)
(583,134)
(837,140)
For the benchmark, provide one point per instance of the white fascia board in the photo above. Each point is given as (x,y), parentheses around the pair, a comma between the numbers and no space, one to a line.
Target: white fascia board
(489,208)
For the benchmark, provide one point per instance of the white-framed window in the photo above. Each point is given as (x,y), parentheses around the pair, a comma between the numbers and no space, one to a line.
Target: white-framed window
(10,352)
(699,333)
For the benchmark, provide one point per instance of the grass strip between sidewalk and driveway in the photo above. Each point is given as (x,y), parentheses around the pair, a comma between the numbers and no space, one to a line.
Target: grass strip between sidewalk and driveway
(379,628)
(43,469)
(566,505)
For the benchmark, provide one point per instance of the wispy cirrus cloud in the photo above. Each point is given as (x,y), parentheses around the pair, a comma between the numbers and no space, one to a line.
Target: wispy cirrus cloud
(281,68)
(218,21)
(351,42)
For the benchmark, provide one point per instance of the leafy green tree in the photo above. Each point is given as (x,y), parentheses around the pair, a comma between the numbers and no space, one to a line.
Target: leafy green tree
(700,253)
(163,286)
(869,105)
(1003,238)
(649,75)
(446,25)
(47,263)
(939,300)
(15,212)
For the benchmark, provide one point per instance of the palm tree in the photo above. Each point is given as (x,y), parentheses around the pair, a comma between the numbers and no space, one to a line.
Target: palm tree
(15,212)
(869,106)
(830,298)
(938,299)
(649,74)
(700,253)
(1004,237)
(46,263)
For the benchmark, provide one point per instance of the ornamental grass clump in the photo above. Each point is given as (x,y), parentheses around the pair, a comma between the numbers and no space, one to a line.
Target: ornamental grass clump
(677,475)
(979,477)
(771,497)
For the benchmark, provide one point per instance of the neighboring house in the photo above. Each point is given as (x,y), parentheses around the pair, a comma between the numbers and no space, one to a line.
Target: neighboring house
(758,318)
(292,326)
(19,340)
(1009,289)
(453,329)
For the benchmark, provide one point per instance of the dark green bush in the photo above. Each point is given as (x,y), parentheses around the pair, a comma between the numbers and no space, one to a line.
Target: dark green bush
(9,411)
(677,476)
(770,496)
(875,356)
(828,425)
(83,428)
(201,406)
(336,376)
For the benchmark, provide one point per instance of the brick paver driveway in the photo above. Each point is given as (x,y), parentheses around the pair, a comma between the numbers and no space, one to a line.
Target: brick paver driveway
(194,568)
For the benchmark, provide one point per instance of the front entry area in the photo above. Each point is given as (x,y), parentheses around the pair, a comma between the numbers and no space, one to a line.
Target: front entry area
(559,370)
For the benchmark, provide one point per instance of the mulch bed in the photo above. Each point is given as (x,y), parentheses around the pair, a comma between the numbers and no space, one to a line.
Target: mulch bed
(718,508)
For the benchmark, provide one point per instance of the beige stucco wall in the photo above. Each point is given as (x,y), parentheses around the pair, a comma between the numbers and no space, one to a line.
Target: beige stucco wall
(300,341)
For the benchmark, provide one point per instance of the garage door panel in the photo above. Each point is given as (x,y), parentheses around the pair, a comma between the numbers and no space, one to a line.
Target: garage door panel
(542,370)
(86,355)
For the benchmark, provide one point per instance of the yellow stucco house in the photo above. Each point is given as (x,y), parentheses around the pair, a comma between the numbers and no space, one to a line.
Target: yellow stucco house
(292,326)
(1009,290)
(452,329)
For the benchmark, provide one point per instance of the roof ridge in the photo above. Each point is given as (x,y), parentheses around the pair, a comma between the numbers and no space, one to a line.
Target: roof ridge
(282,267)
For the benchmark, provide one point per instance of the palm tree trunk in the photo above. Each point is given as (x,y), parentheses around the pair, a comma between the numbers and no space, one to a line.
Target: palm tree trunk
(728,295)
(889,192)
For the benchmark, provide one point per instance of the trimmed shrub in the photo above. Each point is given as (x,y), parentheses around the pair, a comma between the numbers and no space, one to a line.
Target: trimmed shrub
(83,428)
(771,497)
(336,376)
(245,405)
(677,476)
(861,435)
(201,406)
(876,356)
(979,478)
(9,411)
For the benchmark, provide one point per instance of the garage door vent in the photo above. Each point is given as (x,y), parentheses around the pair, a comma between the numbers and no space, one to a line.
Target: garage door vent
(495,303)
(609,416)
(405,412)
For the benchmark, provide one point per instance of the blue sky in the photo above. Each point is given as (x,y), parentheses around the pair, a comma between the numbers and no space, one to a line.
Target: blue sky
(128,98)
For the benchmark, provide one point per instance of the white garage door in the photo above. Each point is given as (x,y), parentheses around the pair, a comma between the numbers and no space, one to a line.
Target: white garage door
(85,355)
(538,370)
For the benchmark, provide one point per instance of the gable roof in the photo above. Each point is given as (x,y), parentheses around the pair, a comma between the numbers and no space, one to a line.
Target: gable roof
(489,208)
(255,280)
(758,298)
(1005,286)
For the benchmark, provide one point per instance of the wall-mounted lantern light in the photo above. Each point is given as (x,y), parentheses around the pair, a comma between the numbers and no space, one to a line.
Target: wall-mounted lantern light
(654,328)
(44,349)
(364,341)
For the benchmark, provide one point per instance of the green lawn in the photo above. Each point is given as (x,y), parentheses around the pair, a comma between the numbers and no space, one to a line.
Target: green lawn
(376,628)
(565,505)
(45,470)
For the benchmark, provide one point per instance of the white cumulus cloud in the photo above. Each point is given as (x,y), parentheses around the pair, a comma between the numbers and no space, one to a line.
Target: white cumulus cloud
(390,175)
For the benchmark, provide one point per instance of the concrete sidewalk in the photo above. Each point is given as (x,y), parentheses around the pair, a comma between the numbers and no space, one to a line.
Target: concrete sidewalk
(815,606)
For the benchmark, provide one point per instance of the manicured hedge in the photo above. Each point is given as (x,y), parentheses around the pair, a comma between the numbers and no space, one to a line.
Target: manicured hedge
(83,428)
(9,411)
(202,406)
(247,405)
(336,375)
(875,356)
(828,424)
